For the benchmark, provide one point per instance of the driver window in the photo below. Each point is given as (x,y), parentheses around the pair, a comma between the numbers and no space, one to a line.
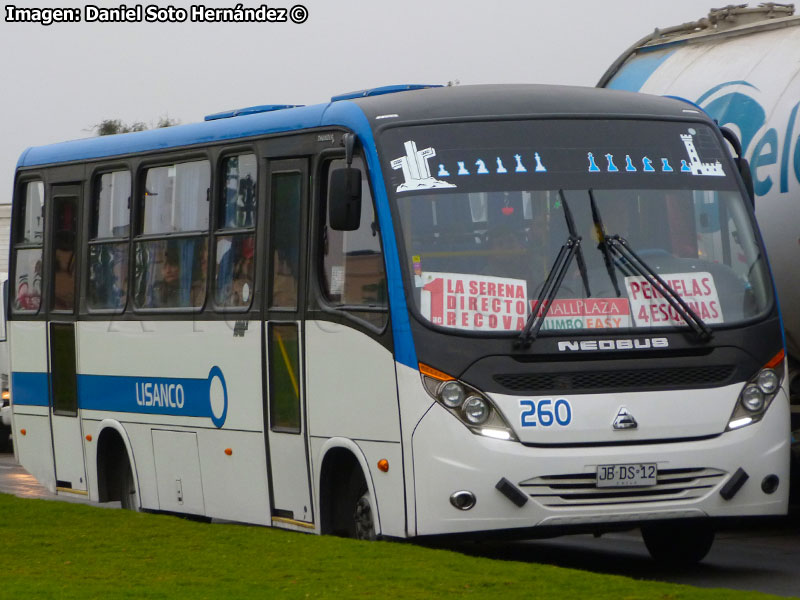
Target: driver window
(353,276)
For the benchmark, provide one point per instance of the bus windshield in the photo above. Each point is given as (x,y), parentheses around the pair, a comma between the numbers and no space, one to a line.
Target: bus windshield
(485,207)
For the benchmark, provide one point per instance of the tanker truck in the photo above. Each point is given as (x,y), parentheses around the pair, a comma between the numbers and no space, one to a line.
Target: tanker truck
(742,66)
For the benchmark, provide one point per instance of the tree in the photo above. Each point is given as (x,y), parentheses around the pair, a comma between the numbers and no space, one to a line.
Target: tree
(115,126)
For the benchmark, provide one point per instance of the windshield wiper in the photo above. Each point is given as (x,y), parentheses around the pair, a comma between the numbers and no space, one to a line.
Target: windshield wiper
(602,246)
(619,247)
(569,250)
(574,233)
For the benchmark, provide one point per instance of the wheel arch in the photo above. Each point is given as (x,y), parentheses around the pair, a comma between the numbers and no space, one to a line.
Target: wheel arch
(340,456)
(113,444)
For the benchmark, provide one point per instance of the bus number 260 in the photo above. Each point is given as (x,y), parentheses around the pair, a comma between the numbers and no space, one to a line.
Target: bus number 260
(545,412)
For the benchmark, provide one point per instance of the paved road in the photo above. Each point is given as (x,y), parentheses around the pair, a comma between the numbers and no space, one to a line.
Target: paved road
(763,557)
(15,480)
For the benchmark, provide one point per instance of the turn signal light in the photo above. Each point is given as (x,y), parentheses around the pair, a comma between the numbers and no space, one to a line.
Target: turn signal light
(88,437)
(23,431)
(383,465)
(435,373)
(228,451)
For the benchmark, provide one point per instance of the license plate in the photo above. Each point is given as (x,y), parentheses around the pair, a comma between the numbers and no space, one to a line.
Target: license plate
(627,475)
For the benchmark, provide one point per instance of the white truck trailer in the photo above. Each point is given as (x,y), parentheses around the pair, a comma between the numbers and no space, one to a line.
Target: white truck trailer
(742,66)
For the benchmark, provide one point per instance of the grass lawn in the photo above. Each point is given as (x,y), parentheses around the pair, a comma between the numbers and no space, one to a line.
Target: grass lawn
(64,550)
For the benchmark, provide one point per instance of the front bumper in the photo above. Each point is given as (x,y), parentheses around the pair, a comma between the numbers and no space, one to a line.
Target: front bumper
(449,458)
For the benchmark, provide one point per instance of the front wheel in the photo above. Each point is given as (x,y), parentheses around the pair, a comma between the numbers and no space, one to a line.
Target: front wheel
(363,520)
(683,543)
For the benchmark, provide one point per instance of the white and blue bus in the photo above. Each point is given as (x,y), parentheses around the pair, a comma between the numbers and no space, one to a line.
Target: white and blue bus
(411,311)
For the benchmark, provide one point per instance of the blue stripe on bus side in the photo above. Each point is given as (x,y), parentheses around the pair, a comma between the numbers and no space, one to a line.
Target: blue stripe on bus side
(150,395)
(173,396)
(29,389)
(348,113)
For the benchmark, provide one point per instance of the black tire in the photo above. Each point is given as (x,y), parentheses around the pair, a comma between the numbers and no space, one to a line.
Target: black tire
(364,518)
(128,498)
(360,512)
(678,543)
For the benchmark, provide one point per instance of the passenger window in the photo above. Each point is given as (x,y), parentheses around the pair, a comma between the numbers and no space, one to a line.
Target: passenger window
(234,281)
(176,198)
(107,285)
(171,272)
(27,292)
(353,276)
(32,216)
(239,180)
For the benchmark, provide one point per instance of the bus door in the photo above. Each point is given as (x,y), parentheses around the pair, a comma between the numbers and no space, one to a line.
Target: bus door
(285,407)
(62,232)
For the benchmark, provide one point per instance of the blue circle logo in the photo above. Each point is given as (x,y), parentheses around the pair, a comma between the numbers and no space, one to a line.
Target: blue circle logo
(217,396)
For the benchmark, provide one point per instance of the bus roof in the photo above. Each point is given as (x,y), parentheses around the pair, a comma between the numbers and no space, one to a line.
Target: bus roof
(412,105)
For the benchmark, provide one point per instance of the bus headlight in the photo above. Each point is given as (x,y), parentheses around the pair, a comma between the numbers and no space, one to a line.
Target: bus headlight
(768,381)
(451,394)
(476,410)
(752,398)
(471,406)
(757,394)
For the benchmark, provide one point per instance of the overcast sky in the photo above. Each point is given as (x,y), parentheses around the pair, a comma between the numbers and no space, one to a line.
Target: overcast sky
(59,80)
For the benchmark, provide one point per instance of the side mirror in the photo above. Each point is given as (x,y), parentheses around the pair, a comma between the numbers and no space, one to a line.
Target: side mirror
(344,198)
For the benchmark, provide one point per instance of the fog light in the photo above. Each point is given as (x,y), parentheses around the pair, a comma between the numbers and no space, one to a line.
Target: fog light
(476,410)
(462,500)
(770,484)
(451,394)
(768,381)
(753,398)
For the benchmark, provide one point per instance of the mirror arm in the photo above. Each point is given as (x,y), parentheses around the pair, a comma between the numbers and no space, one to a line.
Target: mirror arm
(349,141)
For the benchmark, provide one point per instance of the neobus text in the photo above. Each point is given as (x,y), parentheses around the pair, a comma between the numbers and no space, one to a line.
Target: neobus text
(623,344)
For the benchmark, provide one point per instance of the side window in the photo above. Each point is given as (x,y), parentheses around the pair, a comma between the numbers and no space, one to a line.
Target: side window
(107,285)
(353,277)
(171,271)
(284,375)
(234,237)
(27,293)
(286,198)
(65,220)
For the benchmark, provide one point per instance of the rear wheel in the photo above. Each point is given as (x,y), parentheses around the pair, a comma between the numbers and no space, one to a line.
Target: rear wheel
(678,543)
(128,497)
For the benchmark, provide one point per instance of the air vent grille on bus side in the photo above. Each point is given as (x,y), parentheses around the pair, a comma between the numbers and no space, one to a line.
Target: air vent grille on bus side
(579,490)
(639,379)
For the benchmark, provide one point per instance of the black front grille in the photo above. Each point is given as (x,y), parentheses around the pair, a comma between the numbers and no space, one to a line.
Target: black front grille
(580,489)
(638,379)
